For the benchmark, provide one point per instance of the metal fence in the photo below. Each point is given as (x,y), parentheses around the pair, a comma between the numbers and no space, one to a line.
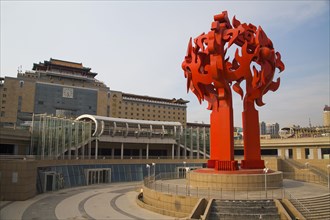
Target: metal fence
(175,184)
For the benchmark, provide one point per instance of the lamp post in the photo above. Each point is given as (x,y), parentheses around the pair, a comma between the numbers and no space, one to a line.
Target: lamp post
(328,166)
(154,174)
(148,167)
(184,166)
(188,180)
(266,171)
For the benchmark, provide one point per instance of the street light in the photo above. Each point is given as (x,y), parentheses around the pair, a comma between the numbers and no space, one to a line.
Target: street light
(328,166)
(154,165)
(188,180)
(148,167)
(266,171)
(184,165)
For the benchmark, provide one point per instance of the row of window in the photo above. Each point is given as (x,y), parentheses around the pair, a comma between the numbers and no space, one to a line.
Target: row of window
(148,110)
(152,105)
(153,116)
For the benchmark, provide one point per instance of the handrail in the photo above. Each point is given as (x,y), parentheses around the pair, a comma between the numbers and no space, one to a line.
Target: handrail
(294,163)
(296,201)
(159,183)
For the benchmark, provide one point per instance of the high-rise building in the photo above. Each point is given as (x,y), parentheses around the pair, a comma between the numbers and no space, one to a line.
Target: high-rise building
(326,116)
(262,126)
(272,129)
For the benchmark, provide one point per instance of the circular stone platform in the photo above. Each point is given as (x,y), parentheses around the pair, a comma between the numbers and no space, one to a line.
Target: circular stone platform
(242,179)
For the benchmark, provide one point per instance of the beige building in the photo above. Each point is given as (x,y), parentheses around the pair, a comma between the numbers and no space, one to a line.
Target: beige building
(54,87)
(131,106)
(326,116)
(69,89)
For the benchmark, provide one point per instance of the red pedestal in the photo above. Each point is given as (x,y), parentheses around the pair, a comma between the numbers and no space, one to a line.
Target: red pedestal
(223,165)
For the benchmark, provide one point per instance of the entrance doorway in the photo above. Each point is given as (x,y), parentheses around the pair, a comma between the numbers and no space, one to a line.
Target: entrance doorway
(98,176)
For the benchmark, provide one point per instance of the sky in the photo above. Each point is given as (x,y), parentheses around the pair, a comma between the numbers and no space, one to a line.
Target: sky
(138,47)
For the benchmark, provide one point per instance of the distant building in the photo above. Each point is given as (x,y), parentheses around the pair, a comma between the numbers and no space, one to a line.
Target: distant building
(269,129)
(63,88)
(326,116)
(56,87)
(132,106)
(272,129)
(262,126)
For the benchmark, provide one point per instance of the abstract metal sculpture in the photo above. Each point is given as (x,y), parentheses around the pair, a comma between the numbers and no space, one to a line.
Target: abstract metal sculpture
(210,76)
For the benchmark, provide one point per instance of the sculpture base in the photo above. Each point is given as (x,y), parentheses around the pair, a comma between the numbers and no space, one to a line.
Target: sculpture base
(252,164)
(223,165)
(252,179)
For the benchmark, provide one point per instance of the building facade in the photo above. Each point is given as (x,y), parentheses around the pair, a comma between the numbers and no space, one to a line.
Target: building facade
(131,106)
(54,87)
(68,89)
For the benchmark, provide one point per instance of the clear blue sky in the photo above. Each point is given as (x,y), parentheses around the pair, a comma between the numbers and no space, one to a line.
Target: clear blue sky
(138,47)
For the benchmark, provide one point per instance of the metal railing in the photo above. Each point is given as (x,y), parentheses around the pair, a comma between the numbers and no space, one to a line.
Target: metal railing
(175,184)
(305,211)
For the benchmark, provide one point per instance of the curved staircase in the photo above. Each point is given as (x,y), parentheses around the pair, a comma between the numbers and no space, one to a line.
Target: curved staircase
(316,207)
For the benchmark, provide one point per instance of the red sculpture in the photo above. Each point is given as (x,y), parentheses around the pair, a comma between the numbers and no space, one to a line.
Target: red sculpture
(210,76)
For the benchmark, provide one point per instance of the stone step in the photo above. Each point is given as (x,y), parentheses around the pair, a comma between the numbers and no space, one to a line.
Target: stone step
(316,198)
(318,216)
(317,207)
(232,216)
(249,210)
(244,203)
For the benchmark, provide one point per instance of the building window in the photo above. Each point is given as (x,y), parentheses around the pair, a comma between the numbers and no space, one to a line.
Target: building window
(2,114)
(40,102)
(21,83)
(4,89)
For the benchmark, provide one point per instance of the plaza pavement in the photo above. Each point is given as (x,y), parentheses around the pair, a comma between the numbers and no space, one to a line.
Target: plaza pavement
(107,201)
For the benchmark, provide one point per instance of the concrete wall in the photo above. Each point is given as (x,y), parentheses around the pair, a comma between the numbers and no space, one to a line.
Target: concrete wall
(167,204)
(17,179)
(24,186)
(235,181)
